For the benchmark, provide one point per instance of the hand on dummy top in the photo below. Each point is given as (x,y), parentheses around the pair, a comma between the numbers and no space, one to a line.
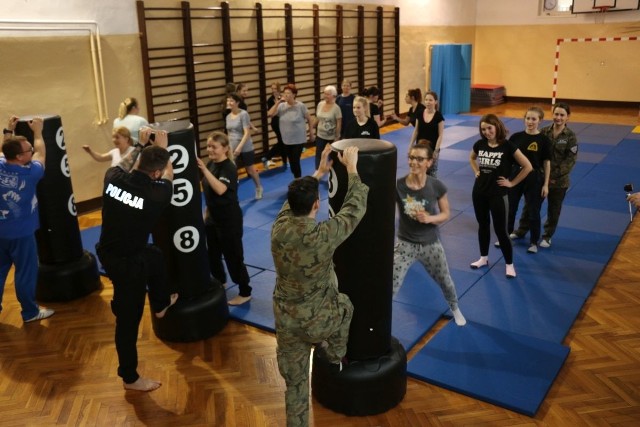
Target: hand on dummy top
(13,121)
(145,134)
(349,158)
(161,138)
(36,124)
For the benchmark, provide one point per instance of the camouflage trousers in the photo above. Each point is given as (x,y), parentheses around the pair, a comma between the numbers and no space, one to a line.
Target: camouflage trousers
(294,350)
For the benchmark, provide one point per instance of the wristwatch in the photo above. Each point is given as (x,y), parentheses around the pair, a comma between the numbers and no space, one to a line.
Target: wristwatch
(7,131)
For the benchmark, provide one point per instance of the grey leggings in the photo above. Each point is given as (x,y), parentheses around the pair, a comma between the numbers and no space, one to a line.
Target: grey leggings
(432,257)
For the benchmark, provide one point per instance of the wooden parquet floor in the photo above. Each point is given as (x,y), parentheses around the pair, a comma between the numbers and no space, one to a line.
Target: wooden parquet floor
(62,371)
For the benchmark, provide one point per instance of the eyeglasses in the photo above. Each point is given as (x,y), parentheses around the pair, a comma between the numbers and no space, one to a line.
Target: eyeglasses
(418,158)
(30,150)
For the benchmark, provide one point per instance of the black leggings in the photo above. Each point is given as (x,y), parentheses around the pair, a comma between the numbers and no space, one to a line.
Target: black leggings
(278,148)
(496,208)
(293,154)
(531,188)
(225,239)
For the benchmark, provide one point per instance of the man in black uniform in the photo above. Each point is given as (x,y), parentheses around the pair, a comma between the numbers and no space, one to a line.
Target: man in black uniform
(133,199)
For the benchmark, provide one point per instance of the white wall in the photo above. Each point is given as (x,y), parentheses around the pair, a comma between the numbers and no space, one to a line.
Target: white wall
(525,12)
(119,16)
(113,16)
(437,12)
(426,12)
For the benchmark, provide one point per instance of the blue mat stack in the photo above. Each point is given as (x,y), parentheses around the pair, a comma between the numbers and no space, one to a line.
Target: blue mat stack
(511,349)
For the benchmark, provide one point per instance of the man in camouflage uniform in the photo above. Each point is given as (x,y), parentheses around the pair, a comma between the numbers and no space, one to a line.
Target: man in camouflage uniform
(564,152)
(307,306)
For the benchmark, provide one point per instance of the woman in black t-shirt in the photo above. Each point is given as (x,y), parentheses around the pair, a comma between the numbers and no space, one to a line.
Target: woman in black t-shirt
(492,158)
(223,219)
(362,126)
(375,105)
(430,126)
(413,98)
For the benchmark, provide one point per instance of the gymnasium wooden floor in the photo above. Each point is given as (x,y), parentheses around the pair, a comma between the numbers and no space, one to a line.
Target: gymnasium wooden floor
(62,371)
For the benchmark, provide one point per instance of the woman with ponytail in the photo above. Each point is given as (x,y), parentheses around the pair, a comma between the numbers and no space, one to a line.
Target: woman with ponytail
(129,118)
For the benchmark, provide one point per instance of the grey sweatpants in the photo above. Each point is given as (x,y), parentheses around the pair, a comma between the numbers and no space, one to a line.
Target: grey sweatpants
(432,258)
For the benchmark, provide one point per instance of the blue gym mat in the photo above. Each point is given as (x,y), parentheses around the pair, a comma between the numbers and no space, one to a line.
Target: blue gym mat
(259,311)
(511,349)
(409,322)
(521,305)
(500,367)
(626,153)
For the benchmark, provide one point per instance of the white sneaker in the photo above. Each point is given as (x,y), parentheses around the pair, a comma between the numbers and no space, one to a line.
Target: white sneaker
(259,191)
(43,313)
(496,244)
(514,236)
(533,249)
(545,243)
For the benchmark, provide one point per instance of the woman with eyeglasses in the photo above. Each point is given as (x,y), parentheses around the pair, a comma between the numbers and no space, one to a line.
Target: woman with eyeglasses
(423,205)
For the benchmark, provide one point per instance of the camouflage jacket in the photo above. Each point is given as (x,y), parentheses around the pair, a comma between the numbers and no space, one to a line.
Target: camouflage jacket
(564,152)
(306,288)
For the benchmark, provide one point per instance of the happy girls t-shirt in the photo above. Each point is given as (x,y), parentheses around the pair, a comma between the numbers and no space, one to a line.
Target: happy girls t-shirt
(494,162)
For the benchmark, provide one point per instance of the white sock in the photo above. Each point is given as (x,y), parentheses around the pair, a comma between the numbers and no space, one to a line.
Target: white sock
(510,270)
(458,317)
(484,260)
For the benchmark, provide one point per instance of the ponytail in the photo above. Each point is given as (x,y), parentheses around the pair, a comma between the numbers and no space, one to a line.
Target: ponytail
(126,106)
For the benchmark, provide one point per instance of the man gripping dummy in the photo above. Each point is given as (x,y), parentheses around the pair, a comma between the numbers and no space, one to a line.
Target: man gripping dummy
(307,306)
(133,200)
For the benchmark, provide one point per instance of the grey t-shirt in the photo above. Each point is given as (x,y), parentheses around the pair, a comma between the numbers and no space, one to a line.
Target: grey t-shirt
(328,121)
(235,130)
(293,126)
(410,202)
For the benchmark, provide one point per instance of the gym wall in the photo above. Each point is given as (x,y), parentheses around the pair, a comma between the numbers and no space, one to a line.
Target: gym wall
(52,72)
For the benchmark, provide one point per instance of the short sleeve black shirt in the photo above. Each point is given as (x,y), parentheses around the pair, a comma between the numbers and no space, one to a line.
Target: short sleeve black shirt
(369,130)
(494,162)
(224,205)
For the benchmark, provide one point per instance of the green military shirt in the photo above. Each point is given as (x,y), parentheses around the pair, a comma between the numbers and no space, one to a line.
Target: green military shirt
(564,152)
(306,290)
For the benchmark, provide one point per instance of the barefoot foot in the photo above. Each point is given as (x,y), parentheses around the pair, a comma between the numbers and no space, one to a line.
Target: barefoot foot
(239,300)
(143,384)
(173,298)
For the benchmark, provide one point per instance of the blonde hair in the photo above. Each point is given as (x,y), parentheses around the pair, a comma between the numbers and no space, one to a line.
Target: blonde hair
(364,103)
(123,132)
(222,139)
(126,106)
